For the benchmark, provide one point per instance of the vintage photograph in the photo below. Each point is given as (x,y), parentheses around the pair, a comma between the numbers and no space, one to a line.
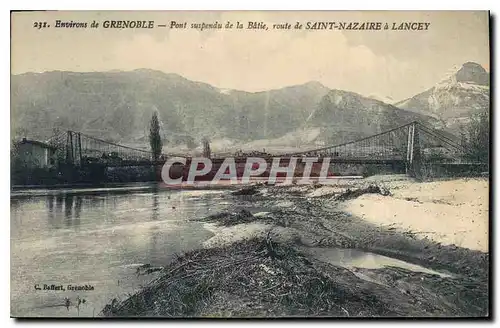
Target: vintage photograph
(250,164)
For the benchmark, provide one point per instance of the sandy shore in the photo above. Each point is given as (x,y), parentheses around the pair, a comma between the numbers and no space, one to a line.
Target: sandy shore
(449,212)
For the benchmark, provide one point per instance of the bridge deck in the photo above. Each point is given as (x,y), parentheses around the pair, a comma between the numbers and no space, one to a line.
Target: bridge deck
(220,160)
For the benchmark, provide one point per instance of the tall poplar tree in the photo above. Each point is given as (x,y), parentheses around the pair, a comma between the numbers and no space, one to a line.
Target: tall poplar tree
(155,137)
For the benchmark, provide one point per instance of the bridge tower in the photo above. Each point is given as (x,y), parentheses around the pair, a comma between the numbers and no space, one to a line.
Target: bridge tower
(73,148)
(413,154)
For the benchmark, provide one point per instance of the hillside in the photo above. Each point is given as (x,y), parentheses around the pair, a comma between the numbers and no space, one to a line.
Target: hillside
(344,116)
(119,105)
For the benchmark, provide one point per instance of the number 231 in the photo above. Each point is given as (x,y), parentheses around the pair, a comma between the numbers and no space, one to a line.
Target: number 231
(40,25)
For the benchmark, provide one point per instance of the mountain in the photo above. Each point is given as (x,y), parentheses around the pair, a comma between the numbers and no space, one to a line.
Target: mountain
(343,116)
(270,114)
(385,99)
(118,106)
(454,99)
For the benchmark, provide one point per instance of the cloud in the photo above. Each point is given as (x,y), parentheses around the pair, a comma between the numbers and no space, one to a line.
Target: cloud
(258,60)
(391,64)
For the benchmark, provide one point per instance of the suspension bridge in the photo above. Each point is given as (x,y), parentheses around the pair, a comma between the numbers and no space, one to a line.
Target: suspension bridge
(79,149)
(411,145)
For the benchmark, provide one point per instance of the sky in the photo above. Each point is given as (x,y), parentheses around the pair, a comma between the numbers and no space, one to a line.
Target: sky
(386,63)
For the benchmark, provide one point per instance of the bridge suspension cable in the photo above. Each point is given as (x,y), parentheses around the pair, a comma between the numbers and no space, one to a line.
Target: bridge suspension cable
(394,144)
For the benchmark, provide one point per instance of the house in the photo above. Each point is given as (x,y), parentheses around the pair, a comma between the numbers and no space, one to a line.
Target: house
(36,154)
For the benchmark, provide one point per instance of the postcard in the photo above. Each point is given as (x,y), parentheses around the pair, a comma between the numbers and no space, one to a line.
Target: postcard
(250,164)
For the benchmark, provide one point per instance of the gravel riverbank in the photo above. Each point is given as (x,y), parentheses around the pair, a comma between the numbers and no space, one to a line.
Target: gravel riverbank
(318,251)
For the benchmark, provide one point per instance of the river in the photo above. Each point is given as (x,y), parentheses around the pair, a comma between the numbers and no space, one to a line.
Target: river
(97,237)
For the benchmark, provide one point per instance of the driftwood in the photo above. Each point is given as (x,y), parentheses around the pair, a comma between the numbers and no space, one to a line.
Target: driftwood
(372,189)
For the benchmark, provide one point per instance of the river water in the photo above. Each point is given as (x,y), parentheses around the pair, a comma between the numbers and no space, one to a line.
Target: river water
(97,237)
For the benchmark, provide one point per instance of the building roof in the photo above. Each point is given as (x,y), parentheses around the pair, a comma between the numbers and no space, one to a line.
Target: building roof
(37,143)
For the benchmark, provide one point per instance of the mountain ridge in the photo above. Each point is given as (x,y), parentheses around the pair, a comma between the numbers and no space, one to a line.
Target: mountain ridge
(118,105)
(454,99)
(188,107)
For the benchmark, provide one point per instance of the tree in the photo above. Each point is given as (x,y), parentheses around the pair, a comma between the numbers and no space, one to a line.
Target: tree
(476,138)
(206,147)
(155,137)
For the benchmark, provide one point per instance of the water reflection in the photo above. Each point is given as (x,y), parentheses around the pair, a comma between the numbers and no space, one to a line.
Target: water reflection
(155,209)
(99,237)
(50,203)
(349,258)
(64,207)
(96,201)
(78,208)
(59,202)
